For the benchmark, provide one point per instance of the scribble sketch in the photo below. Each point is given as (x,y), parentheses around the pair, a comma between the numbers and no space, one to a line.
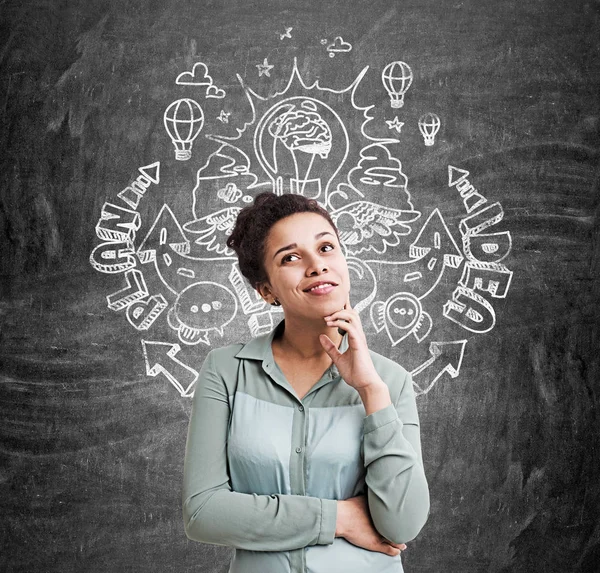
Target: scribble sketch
(132,194)
(286,34)
(231,193)
(429,125)
(134,290)
(396,78)
(470,310)
(395,124)
(199,76)
(413,280)
(366,226)
(117,224)
(292,141)
(183,121)
(213,230)
(215,92)
(300,142)
(161,358)
(201,308)
(446,357)
(142,314)
(264,69)
(223,117)
(364,284)
(485,247)
(231,164)
(459,178)
(338,46)
(113,257)
(249,298)
(168,247)
(402,314)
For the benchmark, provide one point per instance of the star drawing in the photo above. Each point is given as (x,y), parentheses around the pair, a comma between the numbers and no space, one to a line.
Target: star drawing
(286,34)
(394,124)
(224,116)
(264,68)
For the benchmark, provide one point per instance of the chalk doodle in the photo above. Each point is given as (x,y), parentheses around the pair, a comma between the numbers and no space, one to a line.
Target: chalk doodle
(338,46)
(395,124)
(286,34)
(396,78)
(265,68)
(429,125)
(223,117)
(199,76)
(183,121)
(426,280)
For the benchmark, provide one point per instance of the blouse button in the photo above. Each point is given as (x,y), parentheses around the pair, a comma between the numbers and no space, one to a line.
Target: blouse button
(301,408)
(298,450)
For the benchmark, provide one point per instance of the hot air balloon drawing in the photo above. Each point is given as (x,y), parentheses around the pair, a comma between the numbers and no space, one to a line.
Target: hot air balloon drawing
(396,78)
(183,121)
(429,125)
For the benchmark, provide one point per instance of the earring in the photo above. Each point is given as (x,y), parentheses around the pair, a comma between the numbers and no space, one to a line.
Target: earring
(275,303)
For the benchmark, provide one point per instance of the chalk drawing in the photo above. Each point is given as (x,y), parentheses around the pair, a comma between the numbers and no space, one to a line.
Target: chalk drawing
(338,46)
(419,280)
(133,193)
(199,76)
(446,357)
(396,78)
(142,314)
(201,308)
(230,193)
(161,358)
(395,124)
(429,125)
(183,121)
(401,315)
(264,69)
(214,229)
(286,34)
(223,117)
(459,178)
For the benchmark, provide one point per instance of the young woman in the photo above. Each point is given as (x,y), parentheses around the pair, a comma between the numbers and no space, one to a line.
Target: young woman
(303,449)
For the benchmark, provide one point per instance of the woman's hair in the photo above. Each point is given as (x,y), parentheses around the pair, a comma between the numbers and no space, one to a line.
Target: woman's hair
(254,222)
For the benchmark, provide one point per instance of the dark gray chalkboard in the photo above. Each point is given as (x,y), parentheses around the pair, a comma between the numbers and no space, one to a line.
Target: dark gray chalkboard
(475,259)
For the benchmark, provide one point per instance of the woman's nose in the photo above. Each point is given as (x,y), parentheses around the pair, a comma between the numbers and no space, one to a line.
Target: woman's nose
(316,266)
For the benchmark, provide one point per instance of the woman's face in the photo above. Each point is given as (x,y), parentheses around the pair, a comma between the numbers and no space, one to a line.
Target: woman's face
(307,270)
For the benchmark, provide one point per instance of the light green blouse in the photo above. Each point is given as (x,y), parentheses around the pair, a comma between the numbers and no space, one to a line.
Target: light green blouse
(263,469)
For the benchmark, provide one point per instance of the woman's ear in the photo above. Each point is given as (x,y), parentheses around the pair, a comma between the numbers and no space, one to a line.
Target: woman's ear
(264,290)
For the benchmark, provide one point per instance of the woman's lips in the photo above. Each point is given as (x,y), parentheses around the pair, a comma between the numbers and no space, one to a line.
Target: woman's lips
(321,289)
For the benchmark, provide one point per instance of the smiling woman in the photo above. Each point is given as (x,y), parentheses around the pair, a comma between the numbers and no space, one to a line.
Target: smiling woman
(303,449)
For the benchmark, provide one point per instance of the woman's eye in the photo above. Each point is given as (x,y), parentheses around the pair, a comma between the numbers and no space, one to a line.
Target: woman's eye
(289,258)
(327,247)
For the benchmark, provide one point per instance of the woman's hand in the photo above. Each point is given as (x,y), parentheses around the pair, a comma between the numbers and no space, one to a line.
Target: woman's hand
(355,365)
(354,524)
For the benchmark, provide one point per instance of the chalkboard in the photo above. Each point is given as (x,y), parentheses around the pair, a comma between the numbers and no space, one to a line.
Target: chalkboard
(456,145)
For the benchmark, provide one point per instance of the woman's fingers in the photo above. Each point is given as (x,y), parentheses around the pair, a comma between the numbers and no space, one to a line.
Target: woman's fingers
(329,347)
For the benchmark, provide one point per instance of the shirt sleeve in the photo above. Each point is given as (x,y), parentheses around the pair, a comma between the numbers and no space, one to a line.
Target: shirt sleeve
(213,513)
(397,489)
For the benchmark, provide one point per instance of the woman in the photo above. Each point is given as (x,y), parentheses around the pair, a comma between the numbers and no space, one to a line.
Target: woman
(303,448)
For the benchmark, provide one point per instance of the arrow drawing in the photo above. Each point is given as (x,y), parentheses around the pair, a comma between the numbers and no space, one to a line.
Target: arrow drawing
(445,357)
(161,358)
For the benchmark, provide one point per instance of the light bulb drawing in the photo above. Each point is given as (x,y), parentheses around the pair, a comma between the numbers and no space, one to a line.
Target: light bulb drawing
(396,78)
(429,125)
(183,121)
(293,142)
